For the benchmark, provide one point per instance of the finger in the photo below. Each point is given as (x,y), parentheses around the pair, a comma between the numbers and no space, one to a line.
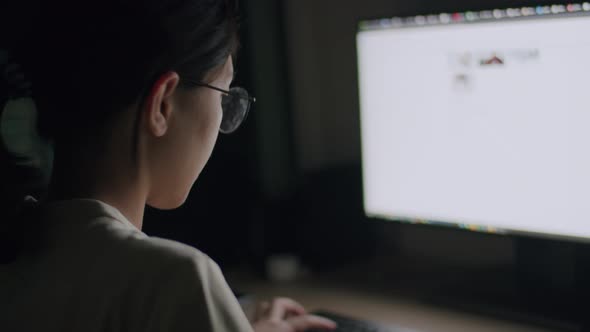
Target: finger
(282,306)
(261,310)
(306,322)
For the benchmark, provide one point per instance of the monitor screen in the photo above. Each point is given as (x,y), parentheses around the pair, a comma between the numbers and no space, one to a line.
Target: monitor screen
(479,120)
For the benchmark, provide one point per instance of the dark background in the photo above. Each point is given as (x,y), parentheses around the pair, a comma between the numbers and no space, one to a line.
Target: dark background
(289,181)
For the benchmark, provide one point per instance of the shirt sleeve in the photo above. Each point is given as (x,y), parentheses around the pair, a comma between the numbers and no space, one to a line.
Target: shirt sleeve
(194,296)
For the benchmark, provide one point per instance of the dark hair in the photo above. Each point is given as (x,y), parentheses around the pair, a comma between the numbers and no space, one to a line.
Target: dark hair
(82,52)
(89,61)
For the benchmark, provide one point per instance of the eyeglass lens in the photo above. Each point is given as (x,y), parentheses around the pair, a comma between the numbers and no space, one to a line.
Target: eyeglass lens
(235,107)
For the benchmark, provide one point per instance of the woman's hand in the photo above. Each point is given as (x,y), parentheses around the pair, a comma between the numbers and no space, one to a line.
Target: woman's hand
(286,315)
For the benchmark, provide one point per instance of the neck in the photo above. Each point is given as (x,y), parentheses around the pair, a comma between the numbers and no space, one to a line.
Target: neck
(111,181)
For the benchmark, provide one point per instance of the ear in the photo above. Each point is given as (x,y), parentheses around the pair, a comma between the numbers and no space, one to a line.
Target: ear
(160,104)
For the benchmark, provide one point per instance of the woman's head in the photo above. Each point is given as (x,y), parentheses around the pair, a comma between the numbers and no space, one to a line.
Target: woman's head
(180,129)
(121,73)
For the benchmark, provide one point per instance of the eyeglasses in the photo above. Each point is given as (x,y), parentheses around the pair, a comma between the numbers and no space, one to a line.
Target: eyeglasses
(235,104)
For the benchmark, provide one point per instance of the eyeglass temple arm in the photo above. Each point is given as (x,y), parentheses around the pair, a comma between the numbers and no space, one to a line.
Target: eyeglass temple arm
(250,98)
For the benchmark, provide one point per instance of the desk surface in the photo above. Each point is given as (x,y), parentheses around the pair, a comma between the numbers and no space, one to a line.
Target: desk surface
(375,306)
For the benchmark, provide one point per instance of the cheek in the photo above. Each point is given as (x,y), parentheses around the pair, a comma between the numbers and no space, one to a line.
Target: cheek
(207,120)
(187,153)
(213,121)
(206,130)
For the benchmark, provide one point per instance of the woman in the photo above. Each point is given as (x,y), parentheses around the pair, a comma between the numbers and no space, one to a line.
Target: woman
(132,94)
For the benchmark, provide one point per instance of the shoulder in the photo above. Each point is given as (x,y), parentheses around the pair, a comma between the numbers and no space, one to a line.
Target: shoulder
(158,282)
(93,226)
(186,288)
(173,254)
(115,245)
(150,252)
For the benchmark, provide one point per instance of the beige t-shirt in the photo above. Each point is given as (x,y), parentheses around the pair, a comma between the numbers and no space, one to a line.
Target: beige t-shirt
(97,272)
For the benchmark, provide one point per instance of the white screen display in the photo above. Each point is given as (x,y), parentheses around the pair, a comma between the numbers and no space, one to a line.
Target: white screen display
(481,123)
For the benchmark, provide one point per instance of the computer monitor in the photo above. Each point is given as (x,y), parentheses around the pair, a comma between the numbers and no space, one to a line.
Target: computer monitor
(479,120)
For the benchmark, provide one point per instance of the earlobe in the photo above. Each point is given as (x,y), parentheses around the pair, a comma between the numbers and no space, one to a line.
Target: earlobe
(160,103)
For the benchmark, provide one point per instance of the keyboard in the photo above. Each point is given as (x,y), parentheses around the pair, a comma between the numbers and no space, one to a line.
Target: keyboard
(350,324)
